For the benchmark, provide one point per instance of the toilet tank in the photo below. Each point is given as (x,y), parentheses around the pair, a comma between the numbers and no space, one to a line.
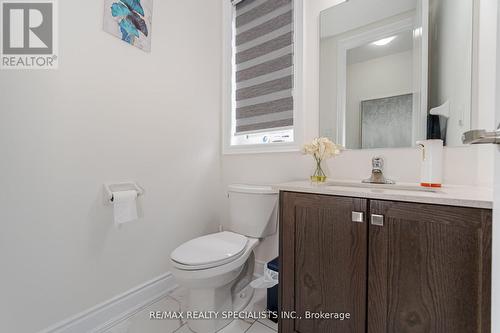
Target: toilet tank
(253,210)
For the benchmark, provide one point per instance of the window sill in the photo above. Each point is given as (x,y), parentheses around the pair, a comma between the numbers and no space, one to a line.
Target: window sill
(261,149)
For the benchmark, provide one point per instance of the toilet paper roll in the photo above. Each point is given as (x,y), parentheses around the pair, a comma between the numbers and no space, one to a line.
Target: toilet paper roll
(125,206)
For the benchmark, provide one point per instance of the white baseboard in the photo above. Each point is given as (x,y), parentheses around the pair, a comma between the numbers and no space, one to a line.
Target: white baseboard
(106,315)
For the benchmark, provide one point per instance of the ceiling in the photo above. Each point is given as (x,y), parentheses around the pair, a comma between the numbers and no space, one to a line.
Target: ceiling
(403,42)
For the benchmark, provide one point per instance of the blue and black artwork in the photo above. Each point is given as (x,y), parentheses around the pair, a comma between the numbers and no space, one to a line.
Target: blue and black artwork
(131,15)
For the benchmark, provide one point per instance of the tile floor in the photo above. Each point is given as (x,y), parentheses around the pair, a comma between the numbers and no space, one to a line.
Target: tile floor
(140,322)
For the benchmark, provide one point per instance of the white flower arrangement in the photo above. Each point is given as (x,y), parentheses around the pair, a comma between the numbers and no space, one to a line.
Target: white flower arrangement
(321,149)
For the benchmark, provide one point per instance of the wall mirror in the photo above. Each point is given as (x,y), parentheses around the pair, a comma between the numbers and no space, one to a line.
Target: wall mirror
(396,71)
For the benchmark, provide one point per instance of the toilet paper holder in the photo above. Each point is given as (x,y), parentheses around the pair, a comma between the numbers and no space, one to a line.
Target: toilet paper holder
(109,188)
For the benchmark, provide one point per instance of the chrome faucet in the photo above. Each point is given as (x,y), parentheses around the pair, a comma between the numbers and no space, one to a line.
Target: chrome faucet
(378,172)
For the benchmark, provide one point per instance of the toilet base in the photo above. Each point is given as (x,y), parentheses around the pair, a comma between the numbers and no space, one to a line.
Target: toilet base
(210,301)
(240,302)
(221,301)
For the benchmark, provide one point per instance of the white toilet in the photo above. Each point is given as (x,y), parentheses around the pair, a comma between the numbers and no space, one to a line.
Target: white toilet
(218,268)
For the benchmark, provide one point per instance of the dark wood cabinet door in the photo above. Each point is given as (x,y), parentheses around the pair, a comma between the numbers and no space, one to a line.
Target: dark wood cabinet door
(323,258)
(429,269)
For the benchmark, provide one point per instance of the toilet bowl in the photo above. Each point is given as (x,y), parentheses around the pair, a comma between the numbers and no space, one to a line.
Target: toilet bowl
(211,288)
(217,269)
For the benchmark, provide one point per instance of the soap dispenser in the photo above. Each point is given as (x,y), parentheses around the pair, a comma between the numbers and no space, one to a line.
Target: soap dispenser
(431,163)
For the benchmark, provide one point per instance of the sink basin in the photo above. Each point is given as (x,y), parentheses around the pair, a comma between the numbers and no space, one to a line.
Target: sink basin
(400,186)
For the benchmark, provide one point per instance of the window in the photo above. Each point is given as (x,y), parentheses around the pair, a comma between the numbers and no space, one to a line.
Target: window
(260,55)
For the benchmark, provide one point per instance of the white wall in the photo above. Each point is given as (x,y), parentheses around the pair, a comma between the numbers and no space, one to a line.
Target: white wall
(110,113)
(376,78)
(463,165)
(486,92)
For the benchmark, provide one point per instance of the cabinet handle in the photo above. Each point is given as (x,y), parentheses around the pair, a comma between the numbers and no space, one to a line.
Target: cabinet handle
(358,217)
(377,220)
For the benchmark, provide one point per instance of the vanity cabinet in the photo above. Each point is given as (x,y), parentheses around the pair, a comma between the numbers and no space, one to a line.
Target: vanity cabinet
(323,261)
(395,267)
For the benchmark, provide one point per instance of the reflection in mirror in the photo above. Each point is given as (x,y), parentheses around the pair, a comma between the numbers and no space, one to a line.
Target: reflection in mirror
(380,93)
(451,24)
(374,72)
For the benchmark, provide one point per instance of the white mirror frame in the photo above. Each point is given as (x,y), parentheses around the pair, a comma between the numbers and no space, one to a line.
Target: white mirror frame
(420,95)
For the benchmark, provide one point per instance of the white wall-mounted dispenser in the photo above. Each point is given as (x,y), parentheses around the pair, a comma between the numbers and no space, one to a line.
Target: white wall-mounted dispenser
(431,163)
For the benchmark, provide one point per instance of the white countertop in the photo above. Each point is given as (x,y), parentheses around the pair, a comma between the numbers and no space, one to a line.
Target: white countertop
(450,195)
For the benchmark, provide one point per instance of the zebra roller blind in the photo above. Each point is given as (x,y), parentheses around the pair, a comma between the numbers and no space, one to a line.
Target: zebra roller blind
(263,46)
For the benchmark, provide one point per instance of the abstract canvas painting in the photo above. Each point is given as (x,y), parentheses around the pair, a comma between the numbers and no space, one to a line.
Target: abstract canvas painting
(387,122)
(130,20)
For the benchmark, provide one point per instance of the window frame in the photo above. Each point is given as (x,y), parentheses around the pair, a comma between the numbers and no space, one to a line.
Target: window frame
(227,88)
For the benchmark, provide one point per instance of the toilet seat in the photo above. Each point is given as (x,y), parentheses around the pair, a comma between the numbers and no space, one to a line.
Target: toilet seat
(209,251)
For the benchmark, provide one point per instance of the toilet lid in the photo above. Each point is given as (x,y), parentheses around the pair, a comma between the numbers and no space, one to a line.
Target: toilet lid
(210,249)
